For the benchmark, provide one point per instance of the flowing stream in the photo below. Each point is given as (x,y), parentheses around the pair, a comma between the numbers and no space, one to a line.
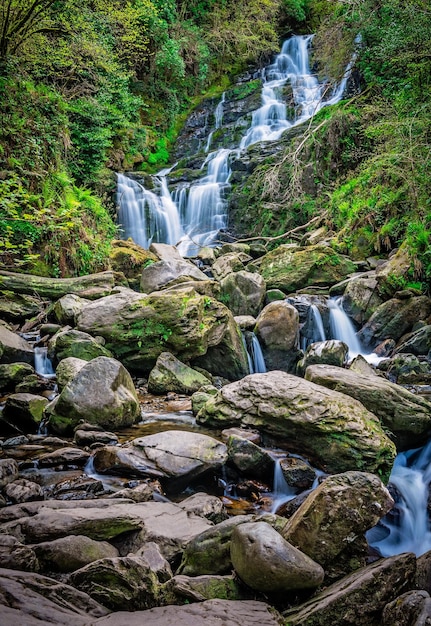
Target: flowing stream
(193,215)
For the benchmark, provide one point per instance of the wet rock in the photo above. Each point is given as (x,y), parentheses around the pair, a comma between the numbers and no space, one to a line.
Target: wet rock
(243,292)
(277,328)
(268,563)
(200,397)
(407,369)
(35,600)
(13,348)
(291,267)
(210,612)
(336,432)
(249,458)
(15,307)
(11,374)
(64,457)
(83,438)
(170,455)
(331,352)
(15,555)
(169,374)
(68,554)
(423,572)
(405,415)
(156,562)
(394,318)
(102,393)
(205,505)
(419,342)
(79,487)
(297,473)
(23,490)
(165,252)
(250,435)
(8,472)
(77,344)
(183,589)
(342,507)
(412,608)
(141,493)
(355,595)
(67,308)
(393,272)
(165,274)
(25,411)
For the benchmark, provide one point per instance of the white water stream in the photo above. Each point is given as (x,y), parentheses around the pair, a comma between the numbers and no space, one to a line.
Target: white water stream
(194,214)
(42,363)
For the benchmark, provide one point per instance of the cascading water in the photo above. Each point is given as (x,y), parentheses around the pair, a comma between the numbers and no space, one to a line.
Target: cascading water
(256,360)
(195,213)
(42,363)
(342,328)
(313,329)
(406,528)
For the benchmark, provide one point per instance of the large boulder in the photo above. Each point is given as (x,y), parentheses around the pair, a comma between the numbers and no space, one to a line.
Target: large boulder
(342,507)
(67,308)
(406,416)
(361,298)
(15,555)
(277,328)
(170,374)
(102,393)
(25,411)
(330,352)
(394,318)
(11,374)
(419,342)
(138,328)
(14,348)
(268,563)
(173,455)
(290,267)
(243,292)
(165,274)
(68,554)
(336,431)
(358,598)
(130,259)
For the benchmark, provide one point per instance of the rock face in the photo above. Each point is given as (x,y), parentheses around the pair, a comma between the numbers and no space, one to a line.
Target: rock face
(102,393)
(290,267)
(407,416)
(342,507)
(169,374)
(73,343)
(268,563)
(172,454)
(341,602)
(277,328)
(196,328)
(336,431)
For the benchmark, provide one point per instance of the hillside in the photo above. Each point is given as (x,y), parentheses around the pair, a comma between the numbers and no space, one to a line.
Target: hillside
(92,88)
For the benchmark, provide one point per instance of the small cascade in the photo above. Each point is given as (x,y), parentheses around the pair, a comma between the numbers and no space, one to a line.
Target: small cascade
(256,361)
(281,491)
(42,363)
(313,329)
(407,527)
(342,327)
(192,216)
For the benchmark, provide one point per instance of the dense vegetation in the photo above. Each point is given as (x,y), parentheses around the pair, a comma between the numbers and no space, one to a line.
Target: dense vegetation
(91,87)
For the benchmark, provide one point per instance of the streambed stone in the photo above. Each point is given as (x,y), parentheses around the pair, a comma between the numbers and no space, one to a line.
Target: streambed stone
(170,374)
(171,454)
(268,563)
(67,554)
(337,432)
(405,415)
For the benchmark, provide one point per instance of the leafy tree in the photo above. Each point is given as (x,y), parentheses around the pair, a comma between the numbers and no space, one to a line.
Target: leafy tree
(22,19)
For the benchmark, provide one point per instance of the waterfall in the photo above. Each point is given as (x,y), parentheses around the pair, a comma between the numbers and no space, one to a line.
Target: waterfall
(42,363)
(194,214)
(342,327)
(281,491)
(313,329)
(406,528)
(256,361)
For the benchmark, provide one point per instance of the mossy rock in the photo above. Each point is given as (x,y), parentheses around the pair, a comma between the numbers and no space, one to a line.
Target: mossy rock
(130,259)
